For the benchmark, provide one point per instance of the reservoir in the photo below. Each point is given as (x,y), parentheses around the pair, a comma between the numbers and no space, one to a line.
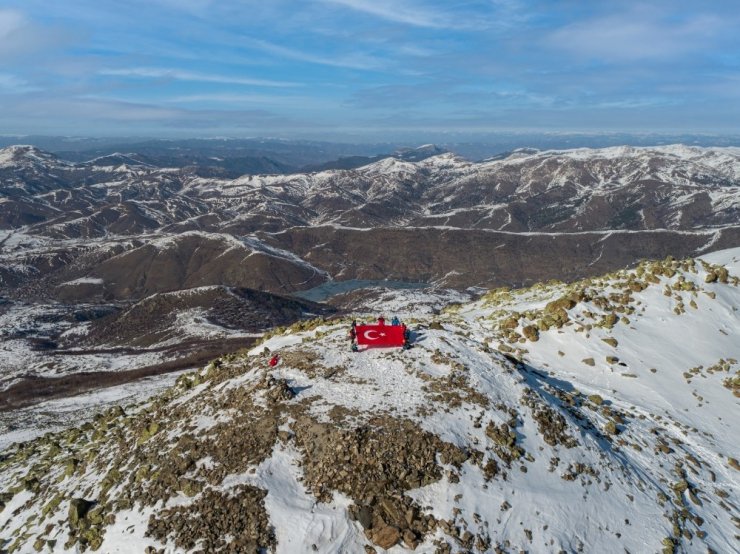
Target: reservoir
(331,288)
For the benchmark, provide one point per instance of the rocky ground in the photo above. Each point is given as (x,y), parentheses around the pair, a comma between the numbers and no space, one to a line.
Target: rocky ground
(595,416)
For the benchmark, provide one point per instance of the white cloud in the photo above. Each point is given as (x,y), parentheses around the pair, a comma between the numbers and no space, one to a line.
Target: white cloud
(10,21)
(358,61)
(193,6)
(179,75)
(399,12)
(30,114)
(11,83)
(21,37)
(636,35)
(291,101)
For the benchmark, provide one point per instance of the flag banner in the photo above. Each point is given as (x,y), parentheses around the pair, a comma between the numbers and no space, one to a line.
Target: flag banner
(380,335)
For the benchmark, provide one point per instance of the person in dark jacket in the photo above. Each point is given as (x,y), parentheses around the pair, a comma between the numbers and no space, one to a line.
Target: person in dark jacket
(406,337)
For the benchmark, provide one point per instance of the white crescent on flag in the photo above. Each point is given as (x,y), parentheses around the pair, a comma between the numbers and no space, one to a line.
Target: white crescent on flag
(367,335)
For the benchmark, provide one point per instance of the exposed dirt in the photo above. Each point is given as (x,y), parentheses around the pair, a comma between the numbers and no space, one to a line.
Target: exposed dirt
(32,390)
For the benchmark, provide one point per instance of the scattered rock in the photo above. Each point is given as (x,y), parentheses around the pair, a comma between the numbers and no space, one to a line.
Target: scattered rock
(596,399)
(78,509)
(214,518)
(531,332)
(385,537)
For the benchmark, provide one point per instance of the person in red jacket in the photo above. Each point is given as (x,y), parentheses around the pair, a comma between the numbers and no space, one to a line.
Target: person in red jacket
(274,360)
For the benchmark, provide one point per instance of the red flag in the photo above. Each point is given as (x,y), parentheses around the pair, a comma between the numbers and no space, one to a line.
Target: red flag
(380,335)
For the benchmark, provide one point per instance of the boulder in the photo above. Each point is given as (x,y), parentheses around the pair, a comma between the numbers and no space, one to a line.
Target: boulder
(386,537)
(609,321)
(531,332)
(564,303)
(365,516)
(5,497)
(78,509)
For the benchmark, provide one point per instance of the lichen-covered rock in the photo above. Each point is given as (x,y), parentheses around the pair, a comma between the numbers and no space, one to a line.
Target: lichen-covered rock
(511,322)
(596,399)
(5,497)
(564,303)
(52,505)
(78,509)
(149,431)
(609,320)
(531,333)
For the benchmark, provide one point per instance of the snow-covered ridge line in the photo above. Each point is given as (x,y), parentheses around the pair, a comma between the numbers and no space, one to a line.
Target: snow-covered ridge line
(698,232)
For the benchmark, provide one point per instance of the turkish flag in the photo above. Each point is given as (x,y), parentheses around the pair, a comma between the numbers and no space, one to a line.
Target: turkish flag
(380,335)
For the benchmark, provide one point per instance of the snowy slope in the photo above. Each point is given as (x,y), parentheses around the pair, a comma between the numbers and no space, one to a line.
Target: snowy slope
(511,425)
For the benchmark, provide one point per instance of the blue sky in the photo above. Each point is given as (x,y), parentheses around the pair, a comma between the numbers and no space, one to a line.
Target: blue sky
(358,69)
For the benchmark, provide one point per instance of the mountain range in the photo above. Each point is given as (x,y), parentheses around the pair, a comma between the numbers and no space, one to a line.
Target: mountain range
(527,216)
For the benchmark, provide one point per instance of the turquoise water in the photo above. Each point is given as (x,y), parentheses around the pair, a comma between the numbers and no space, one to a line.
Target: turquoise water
(332,288)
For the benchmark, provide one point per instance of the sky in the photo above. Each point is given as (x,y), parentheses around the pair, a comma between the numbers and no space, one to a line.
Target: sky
(367,69)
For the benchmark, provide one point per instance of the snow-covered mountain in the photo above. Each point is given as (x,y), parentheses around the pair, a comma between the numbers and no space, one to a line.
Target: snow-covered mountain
(585,203)
(673,187)
(595,416)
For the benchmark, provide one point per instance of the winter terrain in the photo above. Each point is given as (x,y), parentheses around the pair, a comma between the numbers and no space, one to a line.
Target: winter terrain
(593,416)
(119,263)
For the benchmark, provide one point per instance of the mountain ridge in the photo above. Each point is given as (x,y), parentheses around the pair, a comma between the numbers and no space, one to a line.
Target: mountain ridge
(578,389)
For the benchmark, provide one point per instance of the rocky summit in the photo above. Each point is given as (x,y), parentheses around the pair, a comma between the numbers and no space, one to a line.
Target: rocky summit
(598,415)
